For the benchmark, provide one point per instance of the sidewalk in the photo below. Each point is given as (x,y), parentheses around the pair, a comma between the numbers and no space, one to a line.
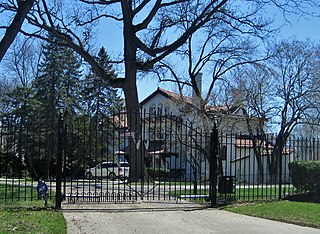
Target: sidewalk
(154,218)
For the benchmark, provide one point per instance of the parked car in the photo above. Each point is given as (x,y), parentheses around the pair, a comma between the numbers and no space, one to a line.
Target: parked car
(125,166)
(111,170)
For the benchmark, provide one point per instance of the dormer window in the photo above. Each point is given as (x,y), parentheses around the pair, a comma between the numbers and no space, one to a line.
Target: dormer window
(160,109)
(167,110)
(152,109)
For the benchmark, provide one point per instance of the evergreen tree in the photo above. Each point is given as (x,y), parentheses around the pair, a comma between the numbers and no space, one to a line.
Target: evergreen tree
(57,85)
(99,101)
(58,82)
(98,98)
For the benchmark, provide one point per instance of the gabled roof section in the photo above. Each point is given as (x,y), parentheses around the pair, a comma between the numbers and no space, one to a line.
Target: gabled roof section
(266,146)
(168,94)
(178,97)
(225,109)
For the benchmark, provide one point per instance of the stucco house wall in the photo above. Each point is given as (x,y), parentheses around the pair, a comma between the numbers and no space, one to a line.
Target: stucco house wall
(231,120)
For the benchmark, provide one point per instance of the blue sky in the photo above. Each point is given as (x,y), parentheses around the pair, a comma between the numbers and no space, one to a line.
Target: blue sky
(300,29)
(110,36)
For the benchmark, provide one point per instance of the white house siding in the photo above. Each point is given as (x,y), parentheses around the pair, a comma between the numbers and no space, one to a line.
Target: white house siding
(241,162)
(160,101)
(229,123)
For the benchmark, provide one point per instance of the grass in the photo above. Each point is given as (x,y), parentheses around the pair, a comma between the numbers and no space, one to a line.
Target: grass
(301,213)
(22,212)
(163,183)
(9,192)
(252,193)
(31,220)
(240,193)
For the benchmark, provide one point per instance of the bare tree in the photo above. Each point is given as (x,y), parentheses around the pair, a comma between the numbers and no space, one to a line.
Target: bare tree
(152,30)
(215,50)
(282,91)
(21,67)
(21,63)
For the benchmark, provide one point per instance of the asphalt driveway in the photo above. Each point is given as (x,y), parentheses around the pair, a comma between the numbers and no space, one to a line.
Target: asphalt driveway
(152,218)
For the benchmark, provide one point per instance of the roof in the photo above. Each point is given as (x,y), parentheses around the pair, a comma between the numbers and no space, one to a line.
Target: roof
(248,143)
(167,94)
(267,148)
(178,97)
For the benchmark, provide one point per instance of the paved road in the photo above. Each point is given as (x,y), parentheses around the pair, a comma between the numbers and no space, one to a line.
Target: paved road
(154,218)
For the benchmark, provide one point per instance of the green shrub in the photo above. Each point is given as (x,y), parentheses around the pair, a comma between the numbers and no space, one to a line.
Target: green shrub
(305,176)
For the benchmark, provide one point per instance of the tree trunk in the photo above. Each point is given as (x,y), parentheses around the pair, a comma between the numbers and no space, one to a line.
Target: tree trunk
(276,156)
(129,86)
(136,151)
(195,181)
(257,148)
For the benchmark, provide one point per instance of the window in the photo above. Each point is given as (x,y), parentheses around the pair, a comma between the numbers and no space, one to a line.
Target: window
(160,109)
(152,109)
(167,110)
(109,165)
(223,152)
(159,134)
(124,164)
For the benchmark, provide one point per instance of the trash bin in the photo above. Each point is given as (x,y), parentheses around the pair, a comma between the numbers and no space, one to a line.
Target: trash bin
(226,184)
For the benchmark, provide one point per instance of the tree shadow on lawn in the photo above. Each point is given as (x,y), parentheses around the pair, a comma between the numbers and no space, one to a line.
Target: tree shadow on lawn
(308,197)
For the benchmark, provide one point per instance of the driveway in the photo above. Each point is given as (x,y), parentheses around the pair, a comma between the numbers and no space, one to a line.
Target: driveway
(162,217)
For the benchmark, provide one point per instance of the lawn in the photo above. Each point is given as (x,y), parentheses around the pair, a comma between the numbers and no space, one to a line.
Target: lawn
(32,220)
(301,213)
(20,192)
(22,212)
(244,194)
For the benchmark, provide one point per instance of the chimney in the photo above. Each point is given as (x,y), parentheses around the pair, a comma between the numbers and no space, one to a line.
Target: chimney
(198,80)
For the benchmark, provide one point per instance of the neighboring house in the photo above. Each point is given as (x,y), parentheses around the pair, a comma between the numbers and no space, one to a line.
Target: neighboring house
(243,164)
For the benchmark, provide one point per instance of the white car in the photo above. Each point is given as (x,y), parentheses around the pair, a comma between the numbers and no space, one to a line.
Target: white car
(126,169)
(111,170)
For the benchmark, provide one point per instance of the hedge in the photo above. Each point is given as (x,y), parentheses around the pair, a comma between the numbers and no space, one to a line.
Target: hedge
(305,176)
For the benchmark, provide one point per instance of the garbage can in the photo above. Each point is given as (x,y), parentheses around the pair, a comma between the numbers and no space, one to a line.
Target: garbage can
(226,184)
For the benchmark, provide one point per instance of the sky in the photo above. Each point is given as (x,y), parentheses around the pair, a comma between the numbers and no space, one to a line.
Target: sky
(300,29)
(110,36)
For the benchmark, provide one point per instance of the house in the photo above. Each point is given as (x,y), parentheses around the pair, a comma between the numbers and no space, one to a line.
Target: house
(253,157)
(232,119)
(164,108)
(176,136)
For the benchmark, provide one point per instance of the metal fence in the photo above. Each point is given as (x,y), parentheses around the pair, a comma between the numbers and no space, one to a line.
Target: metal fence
(27,156)
(121,158)
(259,172)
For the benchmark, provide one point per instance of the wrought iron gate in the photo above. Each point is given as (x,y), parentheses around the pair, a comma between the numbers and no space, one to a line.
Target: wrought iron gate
(100,159)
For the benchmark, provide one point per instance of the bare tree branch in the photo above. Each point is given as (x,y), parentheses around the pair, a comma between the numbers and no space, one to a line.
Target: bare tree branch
(16,24)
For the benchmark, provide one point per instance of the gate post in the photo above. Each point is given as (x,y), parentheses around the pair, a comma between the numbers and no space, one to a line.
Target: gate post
(280,156)
(59,161)
(213,166)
